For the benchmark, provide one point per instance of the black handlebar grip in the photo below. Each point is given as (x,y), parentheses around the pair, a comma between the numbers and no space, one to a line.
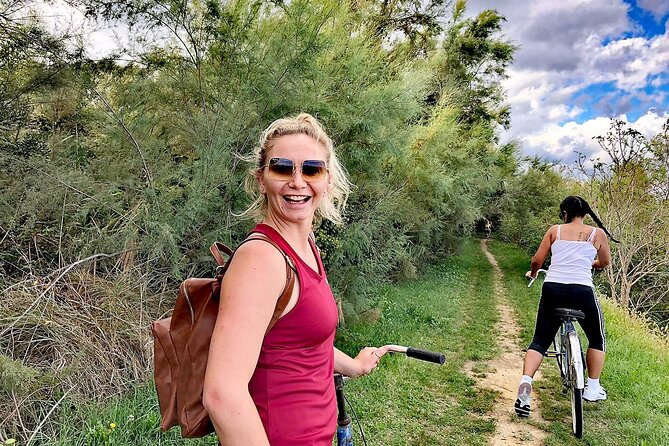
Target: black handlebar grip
(425,355)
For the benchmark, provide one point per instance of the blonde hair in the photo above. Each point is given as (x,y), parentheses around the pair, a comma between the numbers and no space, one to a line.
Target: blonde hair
(332,203)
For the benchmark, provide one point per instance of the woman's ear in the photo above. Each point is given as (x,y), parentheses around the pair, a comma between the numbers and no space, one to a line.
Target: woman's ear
(261,184)
(330,184)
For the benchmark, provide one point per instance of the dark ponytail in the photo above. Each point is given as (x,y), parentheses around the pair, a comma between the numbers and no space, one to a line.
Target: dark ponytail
(574,206)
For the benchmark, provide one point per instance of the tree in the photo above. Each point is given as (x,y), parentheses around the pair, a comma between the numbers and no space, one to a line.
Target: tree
(474,64)
(410,25)
(630,196)
(529,204)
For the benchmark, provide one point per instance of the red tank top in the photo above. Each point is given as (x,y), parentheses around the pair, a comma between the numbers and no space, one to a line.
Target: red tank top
(292,386)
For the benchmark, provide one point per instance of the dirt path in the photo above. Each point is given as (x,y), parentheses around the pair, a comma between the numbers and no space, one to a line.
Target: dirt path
(503,373)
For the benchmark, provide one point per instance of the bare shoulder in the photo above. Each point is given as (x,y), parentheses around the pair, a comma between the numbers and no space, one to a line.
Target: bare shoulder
(551,234)
(600,238)
(256,262)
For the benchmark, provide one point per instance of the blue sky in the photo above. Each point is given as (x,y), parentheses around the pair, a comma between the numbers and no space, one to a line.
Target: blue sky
(580,63)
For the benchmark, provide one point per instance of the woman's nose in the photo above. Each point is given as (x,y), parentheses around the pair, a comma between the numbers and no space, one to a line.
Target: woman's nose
(297,181)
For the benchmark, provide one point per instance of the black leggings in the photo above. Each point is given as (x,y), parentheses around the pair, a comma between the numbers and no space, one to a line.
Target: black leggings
(578,297)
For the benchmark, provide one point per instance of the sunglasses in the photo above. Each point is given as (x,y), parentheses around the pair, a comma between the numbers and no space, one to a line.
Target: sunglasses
(283,169)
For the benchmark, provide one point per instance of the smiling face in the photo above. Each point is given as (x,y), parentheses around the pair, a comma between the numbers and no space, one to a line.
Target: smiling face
(294,200)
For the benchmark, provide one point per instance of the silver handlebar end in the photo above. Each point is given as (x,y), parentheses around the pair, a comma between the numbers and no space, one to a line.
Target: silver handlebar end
(541,270)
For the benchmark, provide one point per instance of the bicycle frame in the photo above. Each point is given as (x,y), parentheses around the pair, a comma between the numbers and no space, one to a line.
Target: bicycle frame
(344,428)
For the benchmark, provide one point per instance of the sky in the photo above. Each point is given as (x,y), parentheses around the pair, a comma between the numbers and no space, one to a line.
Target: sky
(579,64)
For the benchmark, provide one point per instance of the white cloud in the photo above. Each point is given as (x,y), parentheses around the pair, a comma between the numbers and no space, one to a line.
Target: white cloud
(553,141)
(651,123)
(659,8)
(631,62)
(562,112)
(551,33)
(566,46)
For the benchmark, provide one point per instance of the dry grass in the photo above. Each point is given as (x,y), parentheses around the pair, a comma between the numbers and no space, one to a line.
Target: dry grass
(79,334)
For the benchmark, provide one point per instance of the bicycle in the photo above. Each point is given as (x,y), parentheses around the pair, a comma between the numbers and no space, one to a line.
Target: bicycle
(344,428)
(570,359)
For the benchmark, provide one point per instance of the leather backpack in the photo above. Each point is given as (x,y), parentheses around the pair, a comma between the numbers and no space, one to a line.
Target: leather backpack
(181,343)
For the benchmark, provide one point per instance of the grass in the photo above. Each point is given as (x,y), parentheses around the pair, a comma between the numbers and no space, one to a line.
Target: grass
(636,373)
(132,420)
(409,402)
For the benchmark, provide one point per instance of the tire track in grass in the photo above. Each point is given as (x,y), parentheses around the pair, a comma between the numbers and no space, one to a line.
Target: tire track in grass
(502,373)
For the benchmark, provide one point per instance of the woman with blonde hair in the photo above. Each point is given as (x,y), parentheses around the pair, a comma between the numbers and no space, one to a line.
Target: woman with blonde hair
(277,387)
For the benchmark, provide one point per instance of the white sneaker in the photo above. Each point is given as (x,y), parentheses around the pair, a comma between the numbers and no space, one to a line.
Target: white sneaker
(598,394)
(522,404)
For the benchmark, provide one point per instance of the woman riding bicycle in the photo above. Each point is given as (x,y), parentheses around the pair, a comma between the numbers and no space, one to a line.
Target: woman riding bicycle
(276,387)
(576,249)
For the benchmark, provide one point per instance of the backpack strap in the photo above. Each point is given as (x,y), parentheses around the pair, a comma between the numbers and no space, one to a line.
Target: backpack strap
(217,249)
(287,292)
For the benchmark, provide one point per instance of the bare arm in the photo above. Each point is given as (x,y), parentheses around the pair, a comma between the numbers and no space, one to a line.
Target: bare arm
(543,250)
(603,252)
(365,362)
(245,310)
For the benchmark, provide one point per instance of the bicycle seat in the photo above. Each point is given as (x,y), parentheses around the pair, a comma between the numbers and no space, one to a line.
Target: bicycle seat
(568,313)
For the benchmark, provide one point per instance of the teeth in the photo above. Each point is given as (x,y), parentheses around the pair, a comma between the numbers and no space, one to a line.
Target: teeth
(296,197)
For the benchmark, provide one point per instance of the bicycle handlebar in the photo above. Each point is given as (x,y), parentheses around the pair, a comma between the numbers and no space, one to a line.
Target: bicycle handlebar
(344,432)
(423,355)
(532,279)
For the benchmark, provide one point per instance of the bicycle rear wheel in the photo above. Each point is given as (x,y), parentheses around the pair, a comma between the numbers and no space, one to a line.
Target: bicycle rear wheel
(576,411)
(575,382)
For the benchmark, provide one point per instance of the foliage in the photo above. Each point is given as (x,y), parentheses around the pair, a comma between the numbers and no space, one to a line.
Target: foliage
(529,204)
(629,192)
(170,183)
(474,63)
(116,177)
(77,335)
(406,25)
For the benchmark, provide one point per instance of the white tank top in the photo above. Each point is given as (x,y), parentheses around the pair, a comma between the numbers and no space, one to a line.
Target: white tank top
(571,261)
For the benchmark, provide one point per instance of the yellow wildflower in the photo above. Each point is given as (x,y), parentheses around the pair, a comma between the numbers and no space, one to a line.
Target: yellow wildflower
(112,425)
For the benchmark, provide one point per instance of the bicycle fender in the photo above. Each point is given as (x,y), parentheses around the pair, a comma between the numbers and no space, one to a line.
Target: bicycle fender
(576,360)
